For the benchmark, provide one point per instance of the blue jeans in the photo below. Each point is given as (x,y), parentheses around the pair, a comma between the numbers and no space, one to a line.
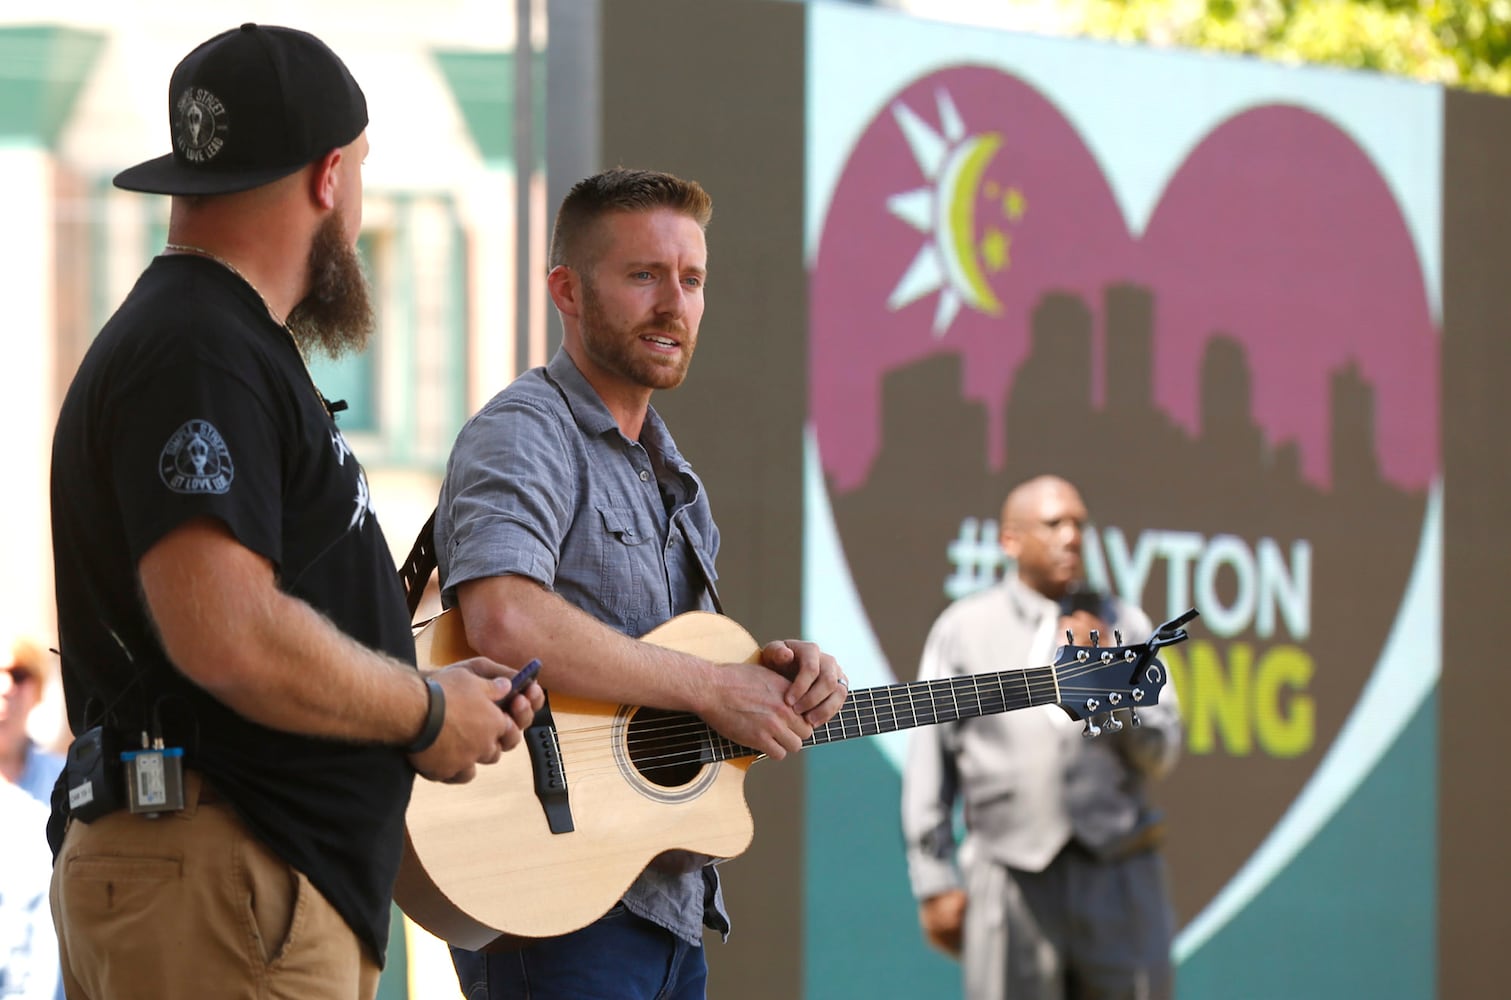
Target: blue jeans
(618,957)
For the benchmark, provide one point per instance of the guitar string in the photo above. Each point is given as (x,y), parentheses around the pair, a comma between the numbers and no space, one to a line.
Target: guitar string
(970,687)
(689,726)
(706,740)
(707,748)
(905,713)
(885,716)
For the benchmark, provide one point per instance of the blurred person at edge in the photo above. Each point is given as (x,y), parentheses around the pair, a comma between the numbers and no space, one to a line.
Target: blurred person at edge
(28,943)
(23,762)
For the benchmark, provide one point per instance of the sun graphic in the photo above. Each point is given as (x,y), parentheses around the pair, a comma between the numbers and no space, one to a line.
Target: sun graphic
(954,262)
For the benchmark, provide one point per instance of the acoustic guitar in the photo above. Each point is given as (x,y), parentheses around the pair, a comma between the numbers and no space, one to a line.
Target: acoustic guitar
(545,841)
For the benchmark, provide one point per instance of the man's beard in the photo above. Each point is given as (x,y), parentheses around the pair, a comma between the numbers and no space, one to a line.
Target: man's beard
(336,316)
(612,348)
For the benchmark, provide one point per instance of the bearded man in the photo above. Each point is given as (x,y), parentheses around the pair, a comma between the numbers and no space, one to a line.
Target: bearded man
(236,650)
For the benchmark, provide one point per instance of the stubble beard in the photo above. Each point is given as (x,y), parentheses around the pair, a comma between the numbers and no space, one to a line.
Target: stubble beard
(612,348)
(336,316)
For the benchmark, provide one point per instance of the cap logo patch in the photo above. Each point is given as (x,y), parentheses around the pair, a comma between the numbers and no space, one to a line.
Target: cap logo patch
(196,460)
(200,124)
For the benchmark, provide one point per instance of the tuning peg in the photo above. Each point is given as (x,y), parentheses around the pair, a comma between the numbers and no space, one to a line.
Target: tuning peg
(1070,638)
(1096,638)
(1133,717)
(1114,724)
(1117,637)
(1092,730)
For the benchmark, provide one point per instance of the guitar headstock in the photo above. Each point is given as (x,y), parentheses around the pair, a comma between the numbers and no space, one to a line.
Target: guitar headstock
(1096,681)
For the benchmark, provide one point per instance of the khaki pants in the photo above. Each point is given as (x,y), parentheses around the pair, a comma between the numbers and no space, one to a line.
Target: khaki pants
(191,905)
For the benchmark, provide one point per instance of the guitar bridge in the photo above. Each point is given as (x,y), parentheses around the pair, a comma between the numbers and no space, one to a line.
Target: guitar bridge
(550,775)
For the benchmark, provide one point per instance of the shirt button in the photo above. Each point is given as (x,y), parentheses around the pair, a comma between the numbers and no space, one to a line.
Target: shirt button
(645,477)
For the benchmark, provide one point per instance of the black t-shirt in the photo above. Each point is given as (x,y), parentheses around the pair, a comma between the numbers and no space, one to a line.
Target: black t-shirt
(192,402)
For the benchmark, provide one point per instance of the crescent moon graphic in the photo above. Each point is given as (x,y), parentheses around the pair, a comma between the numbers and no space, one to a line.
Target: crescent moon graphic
(959,183)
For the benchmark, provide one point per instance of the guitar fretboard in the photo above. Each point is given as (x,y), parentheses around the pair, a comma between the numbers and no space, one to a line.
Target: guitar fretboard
(891,707)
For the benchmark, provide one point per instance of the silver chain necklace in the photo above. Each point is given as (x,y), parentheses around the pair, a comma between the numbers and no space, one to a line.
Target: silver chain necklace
(217,258)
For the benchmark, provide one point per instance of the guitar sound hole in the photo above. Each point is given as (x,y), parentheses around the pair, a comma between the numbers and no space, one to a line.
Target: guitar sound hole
(666,747)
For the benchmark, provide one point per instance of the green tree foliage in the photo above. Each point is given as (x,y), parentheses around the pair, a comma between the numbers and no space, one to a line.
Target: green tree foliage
(1465,43)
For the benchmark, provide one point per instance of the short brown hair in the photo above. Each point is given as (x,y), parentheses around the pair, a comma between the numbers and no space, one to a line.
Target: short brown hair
(29,655)
(619,190)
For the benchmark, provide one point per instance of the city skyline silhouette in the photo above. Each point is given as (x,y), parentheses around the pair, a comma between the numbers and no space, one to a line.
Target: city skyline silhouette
(1140,471)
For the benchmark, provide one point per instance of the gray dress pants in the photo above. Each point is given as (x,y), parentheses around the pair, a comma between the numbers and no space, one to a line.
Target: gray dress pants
(1082,929)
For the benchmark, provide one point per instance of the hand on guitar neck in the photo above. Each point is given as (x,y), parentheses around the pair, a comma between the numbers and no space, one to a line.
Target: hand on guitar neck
(775,704)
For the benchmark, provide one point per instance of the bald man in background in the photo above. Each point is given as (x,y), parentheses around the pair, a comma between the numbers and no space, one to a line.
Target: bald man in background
(1058,890)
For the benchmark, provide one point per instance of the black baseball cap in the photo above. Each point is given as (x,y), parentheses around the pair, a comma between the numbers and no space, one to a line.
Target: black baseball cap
(249,106)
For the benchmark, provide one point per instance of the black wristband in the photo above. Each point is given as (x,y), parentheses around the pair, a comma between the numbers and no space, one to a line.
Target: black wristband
(435,717)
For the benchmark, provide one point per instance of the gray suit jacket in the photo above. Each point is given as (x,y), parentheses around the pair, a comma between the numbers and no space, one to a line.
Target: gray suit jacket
(1028,779)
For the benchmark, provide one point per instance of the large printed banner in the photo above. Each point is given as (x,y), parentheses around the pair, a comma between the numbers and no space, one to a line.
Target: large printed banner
(1208,292)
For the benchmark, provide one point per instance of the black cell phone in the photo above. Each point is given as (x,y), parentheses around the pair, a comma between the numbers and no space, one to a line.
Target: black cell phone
(520,681)
(1086,600)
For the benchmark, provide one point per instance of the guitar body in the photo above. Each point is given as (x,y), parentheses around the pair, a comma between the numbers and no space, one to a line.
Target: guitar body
(482,866)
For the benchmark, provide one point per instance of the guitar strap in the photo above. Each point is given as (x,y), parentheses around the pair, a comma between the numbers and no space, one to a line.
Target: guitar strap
(540,738)
(708,578)
(415,573)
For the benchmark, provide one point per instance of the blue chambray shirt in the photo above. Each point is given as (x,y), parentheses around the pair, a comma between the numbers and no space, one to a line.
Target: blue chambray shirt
(542,483)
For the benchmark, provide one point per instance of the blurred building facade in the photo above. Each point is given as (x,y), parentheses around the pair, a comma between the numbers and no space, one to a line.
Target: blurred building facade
(83,90)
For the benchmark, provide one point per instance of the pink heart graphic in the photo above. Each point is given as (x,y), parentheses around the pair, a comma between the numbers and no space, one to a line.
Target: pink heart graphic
(1260,362)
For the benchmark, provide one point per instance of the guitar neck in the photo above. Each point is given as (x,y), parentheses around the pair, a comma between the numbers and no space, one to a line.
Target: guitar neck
(891,707)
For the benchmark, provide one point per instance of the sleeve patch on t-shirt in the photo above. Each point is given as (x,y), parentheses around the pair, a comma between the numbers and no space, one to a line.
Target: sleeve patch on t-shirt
(196,460)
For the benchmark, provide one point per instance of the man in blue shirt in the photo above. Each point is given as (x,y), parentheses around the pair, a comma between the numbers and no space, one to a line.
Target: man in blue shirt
(569,523)
(22,762)
(28,944)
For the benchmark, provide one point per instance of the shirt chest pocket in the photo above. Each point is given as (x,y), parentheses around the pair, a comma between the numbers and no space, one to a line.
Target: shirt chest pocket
(621,525)
(631,577)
